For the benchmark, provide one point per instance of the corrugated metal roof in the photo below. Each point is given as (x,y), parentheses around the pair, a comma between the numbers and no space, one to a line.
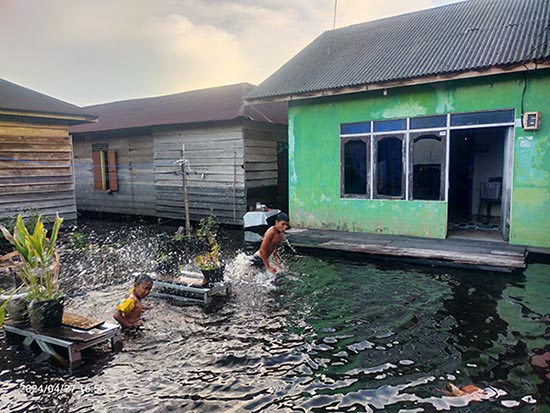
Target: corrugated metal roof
(21,99)
(204,105)
(458,37)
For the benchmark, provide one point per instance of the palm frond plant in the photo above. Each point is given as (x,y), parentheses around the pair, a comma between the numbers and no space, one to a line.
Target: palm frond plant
(39,269)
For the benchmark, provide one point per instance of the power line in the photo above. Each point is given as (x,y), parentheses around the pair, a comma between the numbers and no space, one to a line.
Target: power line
(330,37)
(334,20)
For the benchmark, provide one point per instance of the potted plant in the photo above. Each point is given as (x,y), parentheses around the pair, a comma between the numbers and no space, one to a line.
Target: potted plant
(39,270)
(3,312)
(208,228)
(3,306)
(210,264)
(16,305)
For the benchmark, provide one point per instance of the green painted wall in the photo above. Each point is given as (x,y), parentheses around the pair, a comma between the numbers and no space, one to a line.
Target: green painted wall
(314,157)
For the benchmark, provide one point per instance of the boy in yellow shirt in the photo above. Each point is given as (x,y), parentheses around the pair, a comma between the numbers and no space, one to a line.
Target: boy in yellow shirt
(128,311)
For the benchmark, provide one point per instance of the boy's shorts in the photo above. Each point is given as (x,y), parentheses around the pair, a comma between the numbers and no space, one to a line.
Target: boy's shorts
(256,261)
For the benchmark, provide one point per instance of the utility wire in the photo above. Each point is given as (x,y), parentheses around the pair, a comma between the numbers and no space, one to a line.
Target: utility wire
(334,20)
(536,47)
(330,38)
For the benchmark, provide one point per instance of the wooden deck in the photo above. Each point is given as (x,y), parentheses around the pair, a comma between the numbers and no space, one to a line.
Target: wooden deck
(453,251)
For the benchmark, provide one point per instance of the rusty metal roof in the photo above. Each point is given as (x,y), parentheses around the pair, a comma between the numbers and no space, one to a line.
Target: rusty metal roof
(16,99)
(205,105)
(459,37)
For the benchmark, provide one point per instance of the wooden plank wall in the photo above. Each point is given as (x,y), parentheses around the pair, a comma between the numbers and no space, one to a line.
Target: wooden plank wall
(261,169)
(216,181)
(135,173)
(36,170)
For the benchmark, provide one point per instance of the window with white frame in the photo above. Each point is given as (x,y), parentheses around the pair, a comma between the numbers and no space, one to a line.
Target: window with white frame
(355,165)
(355,162)
(427,166)
(404,158)
(389,178)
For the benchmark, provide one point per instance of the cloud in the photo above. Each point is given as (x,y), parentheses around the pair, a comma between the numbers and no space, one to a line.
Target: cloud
(89,52)
(195,56)
(352,12)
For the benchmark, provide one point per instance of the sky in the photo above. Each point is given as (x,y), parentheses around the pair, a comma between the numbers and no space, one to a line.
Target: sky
(87,52)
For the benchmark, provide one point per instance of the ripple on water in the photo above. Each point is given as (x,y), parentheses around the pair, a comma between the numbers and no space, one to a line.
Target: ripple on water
(327,335)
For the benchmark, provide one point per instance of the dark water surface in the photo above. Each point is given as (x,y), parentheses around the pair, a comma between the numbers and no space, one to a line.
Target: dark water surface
(328,336)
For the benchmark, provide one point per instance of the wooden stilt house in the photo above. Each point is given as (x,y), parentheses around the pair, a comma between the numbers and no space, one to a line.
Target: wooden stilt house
(36,157)
(235,155)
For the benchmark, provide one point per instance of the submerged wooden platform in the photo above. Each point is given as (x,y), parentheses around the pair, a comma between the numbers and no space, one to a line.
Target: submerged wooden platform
(190,288)
(454,252)
(72,340)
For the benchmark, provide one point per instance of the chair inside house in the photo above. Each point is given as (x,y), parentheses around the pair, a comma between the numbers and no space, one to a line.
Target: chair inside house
(489,192)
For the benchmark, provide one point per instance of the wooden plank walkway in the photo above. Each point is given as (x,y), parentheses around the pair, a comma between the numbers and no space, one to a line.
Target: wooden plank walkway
(455,252)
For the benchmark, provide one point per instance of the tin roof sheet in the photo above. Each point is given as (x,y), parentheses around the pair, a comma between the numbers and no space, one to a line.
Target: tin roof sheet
(205,105)
(464,36)
(17,98)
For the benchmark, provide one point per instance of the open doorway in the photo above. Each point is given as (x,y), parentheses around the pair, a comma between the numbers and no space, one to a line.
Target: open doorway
(479,170)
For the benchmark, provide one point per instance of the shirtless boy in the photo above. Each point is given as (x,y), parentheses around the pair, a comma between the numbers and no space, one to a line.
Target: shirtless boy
(128,311)
(268,249)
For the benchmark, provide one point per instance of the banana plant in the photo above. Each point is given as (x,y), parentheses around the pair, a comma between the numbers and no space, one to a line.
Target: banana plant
(40,267)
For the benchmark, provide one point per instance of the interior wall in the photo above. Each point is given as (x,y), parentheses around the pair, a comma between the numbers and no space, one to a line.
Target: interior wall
(488,162)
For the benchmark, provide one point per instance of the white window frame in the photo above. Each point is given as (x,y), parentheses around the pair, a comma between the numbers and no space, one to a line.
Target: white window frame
(407,148)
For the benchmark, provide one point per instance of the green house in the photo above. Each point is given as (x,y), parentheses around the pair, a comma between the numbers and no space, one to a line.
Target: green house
(425,124)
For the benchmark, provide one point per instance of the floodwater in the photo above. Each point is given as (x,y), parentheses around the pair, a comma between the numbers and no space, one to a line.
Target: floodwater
(328,335)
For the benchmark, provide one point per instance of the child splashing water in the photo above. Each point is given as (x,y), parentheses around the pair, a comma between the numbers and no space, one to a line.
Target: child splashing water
(267,254)
(128,311)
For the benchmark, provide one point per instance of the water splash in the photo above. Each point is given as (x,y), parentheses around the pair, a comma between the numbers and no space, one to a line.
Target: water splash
(240,272)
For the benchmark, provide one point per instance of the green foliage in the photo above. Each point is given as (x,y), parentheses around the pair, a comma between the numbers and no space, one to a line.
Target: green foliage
(3,312)
(208,227)
(179,237)
(9,222)
(210,260)
(176,250)
(79,240)
(162,256)
(40,262)
(4,305)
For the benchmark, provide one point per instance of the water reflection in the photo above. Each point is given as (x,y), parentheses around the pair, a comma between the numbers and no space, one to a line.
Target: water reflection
(525,307)
(329,335)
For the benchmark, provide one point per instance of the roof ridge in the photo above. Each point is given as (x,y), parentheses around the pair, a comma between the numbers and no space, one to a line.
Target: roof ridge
(140,99)
(221,104)
(44,95)
(410,13)
(21,100)
(456,38)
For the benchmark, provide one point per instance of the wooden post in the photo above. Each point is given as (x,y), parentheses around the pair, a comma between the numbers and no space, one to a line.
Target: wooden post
(185,194)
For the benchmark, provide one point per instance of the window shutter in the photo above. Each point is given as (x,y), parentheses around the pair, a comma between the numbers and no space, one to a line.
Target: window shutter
(111,162)
(96,162)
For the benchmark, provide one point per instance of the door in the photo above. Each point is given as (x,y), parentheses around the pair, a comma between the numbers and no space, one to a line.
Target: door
(507,174)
